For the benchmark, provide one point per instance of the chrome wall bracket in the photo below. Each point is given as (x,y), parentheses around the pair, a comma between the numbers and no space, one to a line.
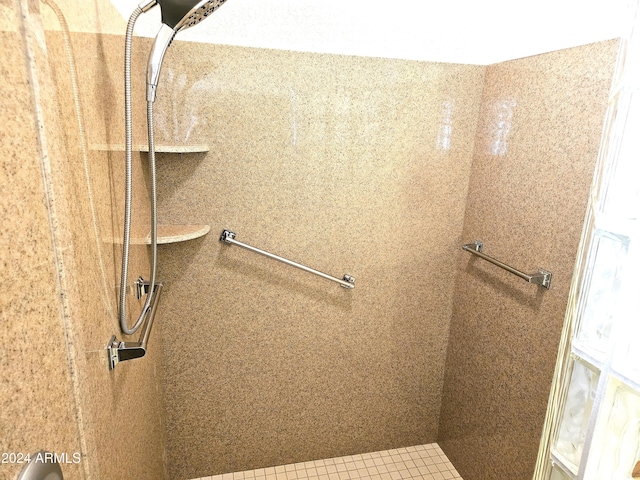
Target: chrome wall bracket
(541,277)
(41,465)
(227,236)
(142,287)
(122,351)
(348,279)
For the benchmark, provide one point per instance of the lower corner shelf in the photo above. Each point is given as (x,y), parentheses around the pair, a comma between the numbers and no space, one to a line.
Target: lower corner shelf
(166,234)
(179,233)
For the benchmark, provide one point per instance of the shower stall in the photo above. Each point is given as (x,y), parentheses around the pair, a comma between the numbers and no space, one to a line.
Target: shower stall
(365,168)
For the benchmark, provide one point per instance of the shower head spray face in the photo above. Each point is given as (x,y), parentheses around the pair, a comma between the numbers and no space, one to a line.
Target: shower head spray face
(176,16)
(181,14)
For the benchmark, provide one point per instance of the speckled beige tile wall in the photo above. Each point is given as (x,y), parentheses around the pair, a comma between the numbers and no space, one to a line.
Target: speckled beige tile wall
(123,410)
(347,165)
(113,418)
(537,141)
(37,407)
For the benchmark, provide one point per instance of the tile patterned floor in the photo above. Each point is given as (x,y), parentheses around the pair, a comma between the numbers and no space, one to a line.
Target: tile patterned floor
(422,462)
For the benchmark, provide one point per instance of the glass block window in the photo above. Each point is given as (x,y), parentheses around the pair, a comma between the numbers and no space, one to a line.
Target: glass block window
(592,430)
(576,412)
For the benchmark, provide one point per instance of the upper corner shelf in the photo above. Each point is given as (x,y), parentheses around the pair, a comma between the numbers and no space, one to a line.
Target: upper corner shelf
(175,148)
(159,148)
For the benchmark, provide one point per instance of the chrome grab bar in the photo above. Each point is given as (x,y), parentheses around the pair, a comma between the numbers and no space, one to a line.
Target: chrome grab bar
(347,281)
(122,351)
(541,277)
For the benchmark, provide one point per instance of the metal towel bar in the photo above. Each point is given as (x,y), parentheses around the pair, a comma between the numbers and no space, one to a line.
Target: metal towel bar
(121,351)
(347,281)
(542,277)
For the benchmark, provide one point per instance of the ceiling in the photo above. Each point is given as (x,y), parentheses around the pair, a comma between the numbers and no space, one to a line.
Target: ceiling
(458,31)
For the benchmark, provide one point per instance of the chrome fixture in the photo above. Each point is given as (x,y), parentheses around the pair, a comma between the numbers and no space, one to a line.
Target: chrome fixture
(122,351)
(176,16)
(541,277)
(41,466)
(347,281)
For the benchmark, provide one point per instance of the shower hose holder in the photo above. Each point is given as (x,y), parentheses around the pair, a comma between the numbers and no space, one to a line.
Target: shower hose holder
(122,351)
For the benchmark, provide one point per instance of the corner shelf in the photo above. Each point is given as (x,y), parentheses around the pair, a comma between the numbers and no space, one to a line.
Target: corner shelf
(159,148)
(178,233)
(166,233)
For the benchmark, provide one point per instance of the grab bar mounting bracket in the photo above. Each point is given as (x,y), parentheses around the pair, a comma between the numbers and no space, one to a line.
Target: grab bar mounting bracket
(348,278)
(543,277)
(227,236)
(476,246)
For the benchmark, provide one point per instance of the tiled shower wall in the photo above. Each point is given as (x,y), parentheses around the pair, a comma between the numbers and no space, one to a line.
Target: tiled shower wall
(123,410)
(536,146)
(348,165)
(31,326)
(59,258)
(361,166)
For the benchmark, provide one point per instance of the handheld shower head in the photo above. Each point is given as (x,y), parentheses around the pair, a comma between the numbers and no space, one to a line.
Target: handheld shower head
(181,14)
(177,15)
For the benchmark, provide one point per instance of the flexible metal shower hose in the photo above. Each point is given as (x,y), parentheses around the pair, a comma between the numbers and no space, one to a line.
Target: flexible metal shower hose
(66,37)
(127,214)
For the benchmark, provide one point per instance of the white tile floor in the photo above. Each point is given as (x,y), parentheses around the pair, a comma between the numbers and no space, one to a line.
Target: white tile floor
(422,462)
